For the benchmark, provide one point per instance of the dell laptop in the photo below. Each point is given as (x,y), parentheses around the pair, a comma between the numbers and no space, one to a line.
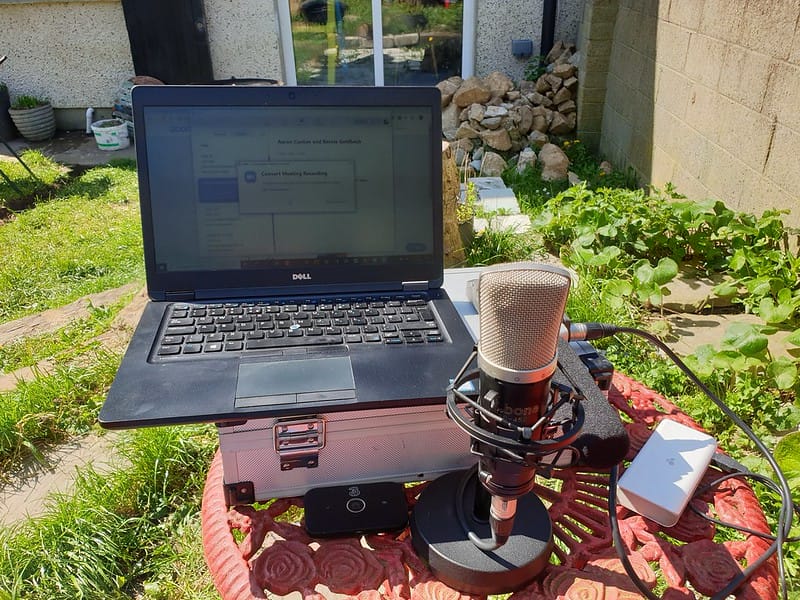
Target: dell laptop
(293,252)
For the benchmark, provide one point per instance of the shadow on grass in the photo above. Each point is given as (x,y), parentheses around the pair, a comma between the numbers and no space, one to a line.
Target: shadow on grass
(79,180)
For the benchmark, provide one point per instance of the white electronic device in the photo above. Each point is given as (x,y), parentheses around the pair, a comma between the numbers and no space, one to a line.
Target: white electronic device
(660,481)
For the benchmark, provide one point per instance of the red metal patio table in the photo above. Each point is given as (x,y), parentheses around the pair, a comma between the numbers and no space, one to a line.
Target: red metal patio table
(276,556)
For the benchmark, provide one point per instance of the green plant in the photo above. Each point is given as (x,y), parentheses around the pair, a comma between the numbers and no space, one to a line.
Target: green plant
(54,405)
(787,454)
(535,67)
(25,101)
(495,245)
(758,386)
(531,190)
(25,189)
(65,344)
(465,211)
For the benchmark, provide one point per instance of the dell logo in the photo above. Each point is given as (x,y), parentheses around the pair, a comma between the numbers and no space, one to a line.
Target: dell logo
(301,276)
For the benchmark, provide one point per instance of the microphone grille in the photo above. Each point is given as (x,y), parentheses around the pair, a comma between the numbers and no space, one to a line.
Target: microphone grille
(521,307)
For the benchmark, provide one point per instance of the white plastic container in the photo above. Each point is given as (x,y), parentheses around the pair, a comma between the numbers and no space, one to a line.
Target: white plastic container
(111,134)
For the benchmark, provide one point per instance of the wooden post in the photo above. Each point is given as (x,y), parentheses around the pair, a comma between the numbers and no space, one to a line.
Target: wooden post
(453,248)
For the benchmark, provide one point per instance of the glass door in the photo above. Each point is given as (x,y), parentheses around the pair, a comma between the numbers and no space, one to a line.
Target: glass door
(420,42)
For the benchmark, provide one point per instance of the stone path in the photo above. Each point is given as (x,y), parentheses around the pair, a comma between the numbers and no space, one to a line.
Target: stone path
(31,487)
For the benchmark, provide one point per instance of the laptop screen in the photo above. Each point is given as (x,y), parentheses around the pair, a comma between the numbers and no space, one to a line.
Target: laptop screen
(275,188)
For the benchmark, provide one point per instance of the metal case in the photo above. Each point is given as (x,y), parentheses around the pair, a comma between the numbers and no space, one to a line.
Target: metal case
(280,457)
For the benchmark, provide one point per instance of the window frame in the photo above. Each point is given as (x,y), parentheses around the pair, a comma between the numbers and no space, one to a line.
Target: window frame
(469,20)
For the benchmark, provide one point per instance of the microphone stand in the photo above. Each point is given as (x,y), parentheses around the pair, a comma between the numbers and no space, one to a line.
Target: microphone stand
(451,524)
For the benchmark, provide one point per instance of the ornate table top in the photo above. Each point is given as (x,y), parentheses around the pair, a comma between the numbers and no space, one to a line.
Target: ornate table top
(251,553)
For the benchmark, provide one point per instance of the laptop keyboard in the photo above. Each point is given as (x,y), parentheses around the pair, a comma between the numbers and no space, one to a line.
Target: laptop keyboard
(202,329)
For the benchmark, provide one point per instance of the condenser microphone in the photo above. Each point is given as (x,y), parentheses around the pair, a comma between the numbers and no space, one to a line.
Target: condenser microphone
(483,531)
(521,310)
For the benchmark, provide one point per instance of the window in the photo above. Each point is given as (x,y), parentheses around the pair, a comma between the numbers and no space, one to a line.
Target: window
(420,42)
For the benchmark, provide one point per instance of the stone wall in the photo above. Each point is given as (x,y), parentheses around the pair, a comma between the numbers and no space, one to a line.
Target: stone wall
(704,94)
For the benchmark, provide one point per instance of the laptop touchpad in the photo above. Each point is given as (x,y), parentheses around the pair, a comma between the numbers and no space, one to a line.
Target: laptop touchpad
(295,381)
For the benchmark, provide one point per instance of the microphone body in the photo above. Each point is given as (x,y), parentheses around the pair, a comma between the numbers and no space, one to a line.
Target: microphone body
(521,308)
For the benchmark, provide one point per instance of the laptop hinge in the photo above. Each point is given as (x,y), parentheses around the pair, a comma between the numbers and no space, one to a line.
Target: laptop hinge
(178,296)
(415,286)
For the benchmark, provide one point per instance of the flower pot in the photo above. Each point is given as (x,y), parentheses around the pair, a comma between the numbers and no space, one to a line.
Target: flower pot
(35,124)
(111,134)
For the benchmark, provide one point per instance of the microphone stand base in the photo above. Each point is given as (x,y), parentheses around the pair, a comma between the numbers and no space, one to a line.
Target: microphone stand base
(440,522)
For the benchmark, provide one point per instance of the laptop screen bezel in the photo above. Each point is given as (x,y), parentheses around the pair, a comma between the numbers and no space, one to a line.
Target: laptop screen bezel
(277,280)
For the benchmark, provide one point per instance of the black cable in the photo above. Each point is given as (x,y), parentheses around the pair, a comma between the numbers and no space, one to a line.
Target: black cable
(617,537)
(787,505)
(765,481)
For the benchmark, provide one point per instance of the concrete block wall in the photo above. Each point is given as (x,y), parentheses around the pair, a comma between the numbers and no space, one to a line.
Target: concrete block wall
(705,94)
(595,38)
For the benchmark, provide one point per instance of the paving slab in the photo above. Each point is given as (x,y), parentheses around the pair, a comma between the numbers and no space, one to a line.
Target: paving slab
(696,330)
(30,490)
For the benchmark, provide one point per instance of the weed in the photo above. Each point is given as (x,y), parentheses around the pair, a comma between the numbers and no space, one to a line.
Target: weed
(53,405)
(67,343)
(496,245)
(26,101)
(535,67)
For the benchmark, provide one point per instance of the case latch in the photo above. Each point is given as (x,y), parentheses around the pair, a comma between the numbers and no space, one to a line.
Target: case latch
(298,441)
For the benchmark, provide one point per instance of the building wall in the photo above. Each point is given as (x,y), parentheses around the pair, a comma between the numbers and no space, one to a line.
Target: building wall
(244,39)
(76,54)
(705,94)
(500,21)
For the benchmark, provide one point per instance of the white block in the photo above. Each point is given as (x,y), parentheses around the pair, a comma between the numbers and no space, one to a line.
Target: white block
(662,478)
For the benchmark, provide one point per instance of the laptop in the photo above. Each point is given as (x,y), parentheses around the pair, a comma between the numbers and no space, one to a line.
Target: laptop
(293,252)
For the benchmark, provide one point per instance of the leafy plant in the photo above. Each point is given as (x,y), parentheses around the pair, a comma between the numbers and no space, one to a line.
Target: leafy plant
(535,68)
(26,101)
(758,386)
(787,454)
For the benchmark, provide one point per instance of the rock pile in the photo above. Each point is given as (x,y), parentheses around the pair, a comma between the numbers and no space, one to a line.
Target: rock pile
(490,120)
